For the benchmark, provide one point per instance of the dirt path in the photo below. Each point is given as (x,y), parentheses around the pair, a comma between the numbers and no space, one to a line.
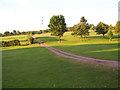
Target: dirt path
(81,58)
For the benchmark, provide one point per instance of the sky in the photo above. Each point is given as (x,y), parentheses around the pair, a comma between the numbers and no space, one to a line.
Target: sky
(25,15)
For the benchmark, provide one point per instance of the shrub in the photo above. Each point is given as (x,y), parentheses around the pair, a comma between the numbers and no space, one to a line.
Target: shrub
(30,39)
(15,42)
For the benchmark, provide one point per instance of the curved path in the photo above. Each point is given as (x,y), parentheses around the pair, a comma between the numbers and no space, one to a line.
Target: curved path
(81,58)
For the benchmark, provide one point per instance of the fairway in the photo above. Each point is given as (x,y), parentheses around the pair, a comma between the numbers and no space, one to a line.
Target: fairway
(59,44)
(24,68)
(33,66)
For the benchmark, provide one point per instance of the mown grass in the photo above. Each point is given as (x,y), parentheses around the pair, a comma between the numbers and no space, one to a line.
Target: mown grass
(94,46)
(36,67)
(32,66)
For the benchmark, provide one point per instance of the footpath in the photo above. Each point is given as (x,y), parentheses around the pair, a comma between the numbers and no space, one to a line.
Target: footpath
(81,58)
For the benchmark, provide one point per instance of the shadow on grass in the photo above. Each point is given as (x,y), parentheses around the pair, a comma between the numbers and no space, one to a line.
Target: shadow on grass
(98,51)
(105,37)
(48,39)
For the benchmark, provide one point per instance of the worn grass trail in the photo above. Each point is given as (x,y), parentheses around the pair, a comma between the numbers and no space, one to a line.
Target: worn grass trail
(81,58)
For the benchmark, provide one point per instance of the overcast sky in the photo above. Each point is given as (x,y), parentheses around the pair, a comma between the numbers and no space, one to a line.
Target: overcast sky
(26,15)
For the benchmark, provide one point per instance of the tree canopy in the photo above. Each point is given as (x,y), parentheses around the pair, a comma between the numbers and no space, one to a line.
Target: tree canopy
(102,28)
(57,26)
(81,29)
(83,19)
(117,27)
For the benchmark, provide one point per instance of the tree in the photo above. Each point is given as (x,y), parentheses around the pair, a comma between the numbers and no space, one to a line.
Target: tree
(57,26)
(14,32)
(30,39)
(110,34)
(18,32)
(117,27)
(7,33)
(83,19)
(23,33)
(81,30)
(102,28)
(92,28)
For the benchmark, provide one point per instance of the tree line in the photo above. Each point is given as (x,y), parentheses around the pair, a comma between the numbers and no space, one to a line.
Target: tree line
(17,32)
(58,27)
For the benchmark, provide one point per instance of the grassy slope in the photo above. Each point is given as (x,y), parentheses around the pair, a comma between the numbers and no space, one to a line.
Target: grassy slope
(94,46)
(29,66)
(27,69)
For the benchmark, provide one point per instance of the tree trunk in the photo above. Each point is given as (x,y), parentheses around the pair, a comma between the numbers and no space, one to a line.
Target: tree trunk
(59,37)
(103,36)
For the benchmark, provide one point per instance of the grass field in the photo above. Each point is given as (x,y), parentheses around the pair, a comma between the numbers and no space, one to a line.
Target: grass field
(31,66)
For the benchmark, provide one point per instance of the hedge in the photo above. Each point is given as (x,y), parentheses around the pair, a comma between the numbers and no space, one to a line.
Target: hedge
(15,42)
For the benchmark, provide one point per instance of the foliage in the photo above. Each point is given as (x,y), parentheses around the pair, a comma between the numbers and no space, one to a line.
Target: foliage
(7,33)
(81,29)
(15,42)
(45,31)
(30,39)
(70,28)
(102,28)
(14,32)
(57,26)
(117,27)
(83,19)
(51,70)
(110,34)
(92,28)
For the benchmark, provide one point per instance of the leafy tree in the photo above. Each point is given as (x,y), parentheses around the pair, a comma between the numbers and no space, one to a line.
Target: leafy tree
(117,27)
(57,26)
(83,19)
(7,33)
(11,33)
(81,29)
(23,32)
(14,32)
(102,28)
(110,34)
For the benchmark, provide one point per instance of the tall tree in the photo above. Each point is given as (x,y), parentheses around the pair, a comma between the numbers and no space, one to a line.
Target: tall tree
(117,27)
(57,26)
(102,28)
(81,30)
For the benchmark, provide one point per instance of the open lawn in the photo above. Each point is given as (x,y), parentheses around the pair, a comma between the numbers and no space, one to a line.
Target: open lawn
(32,66)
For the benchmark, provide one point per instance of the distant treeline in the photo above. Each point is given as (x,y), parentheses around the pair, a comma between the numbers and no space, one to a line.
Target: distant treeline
(17,32)
(73,28)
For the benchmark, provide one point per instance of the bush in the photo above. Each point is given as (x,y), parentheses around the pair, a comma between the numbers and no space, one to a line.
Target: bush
(30,39)
(15,42)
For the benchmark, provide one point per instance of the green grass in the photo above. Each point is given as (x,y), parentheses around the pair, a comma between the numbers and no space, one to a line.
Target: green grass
(95,46)
(37,67)
(32,66)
